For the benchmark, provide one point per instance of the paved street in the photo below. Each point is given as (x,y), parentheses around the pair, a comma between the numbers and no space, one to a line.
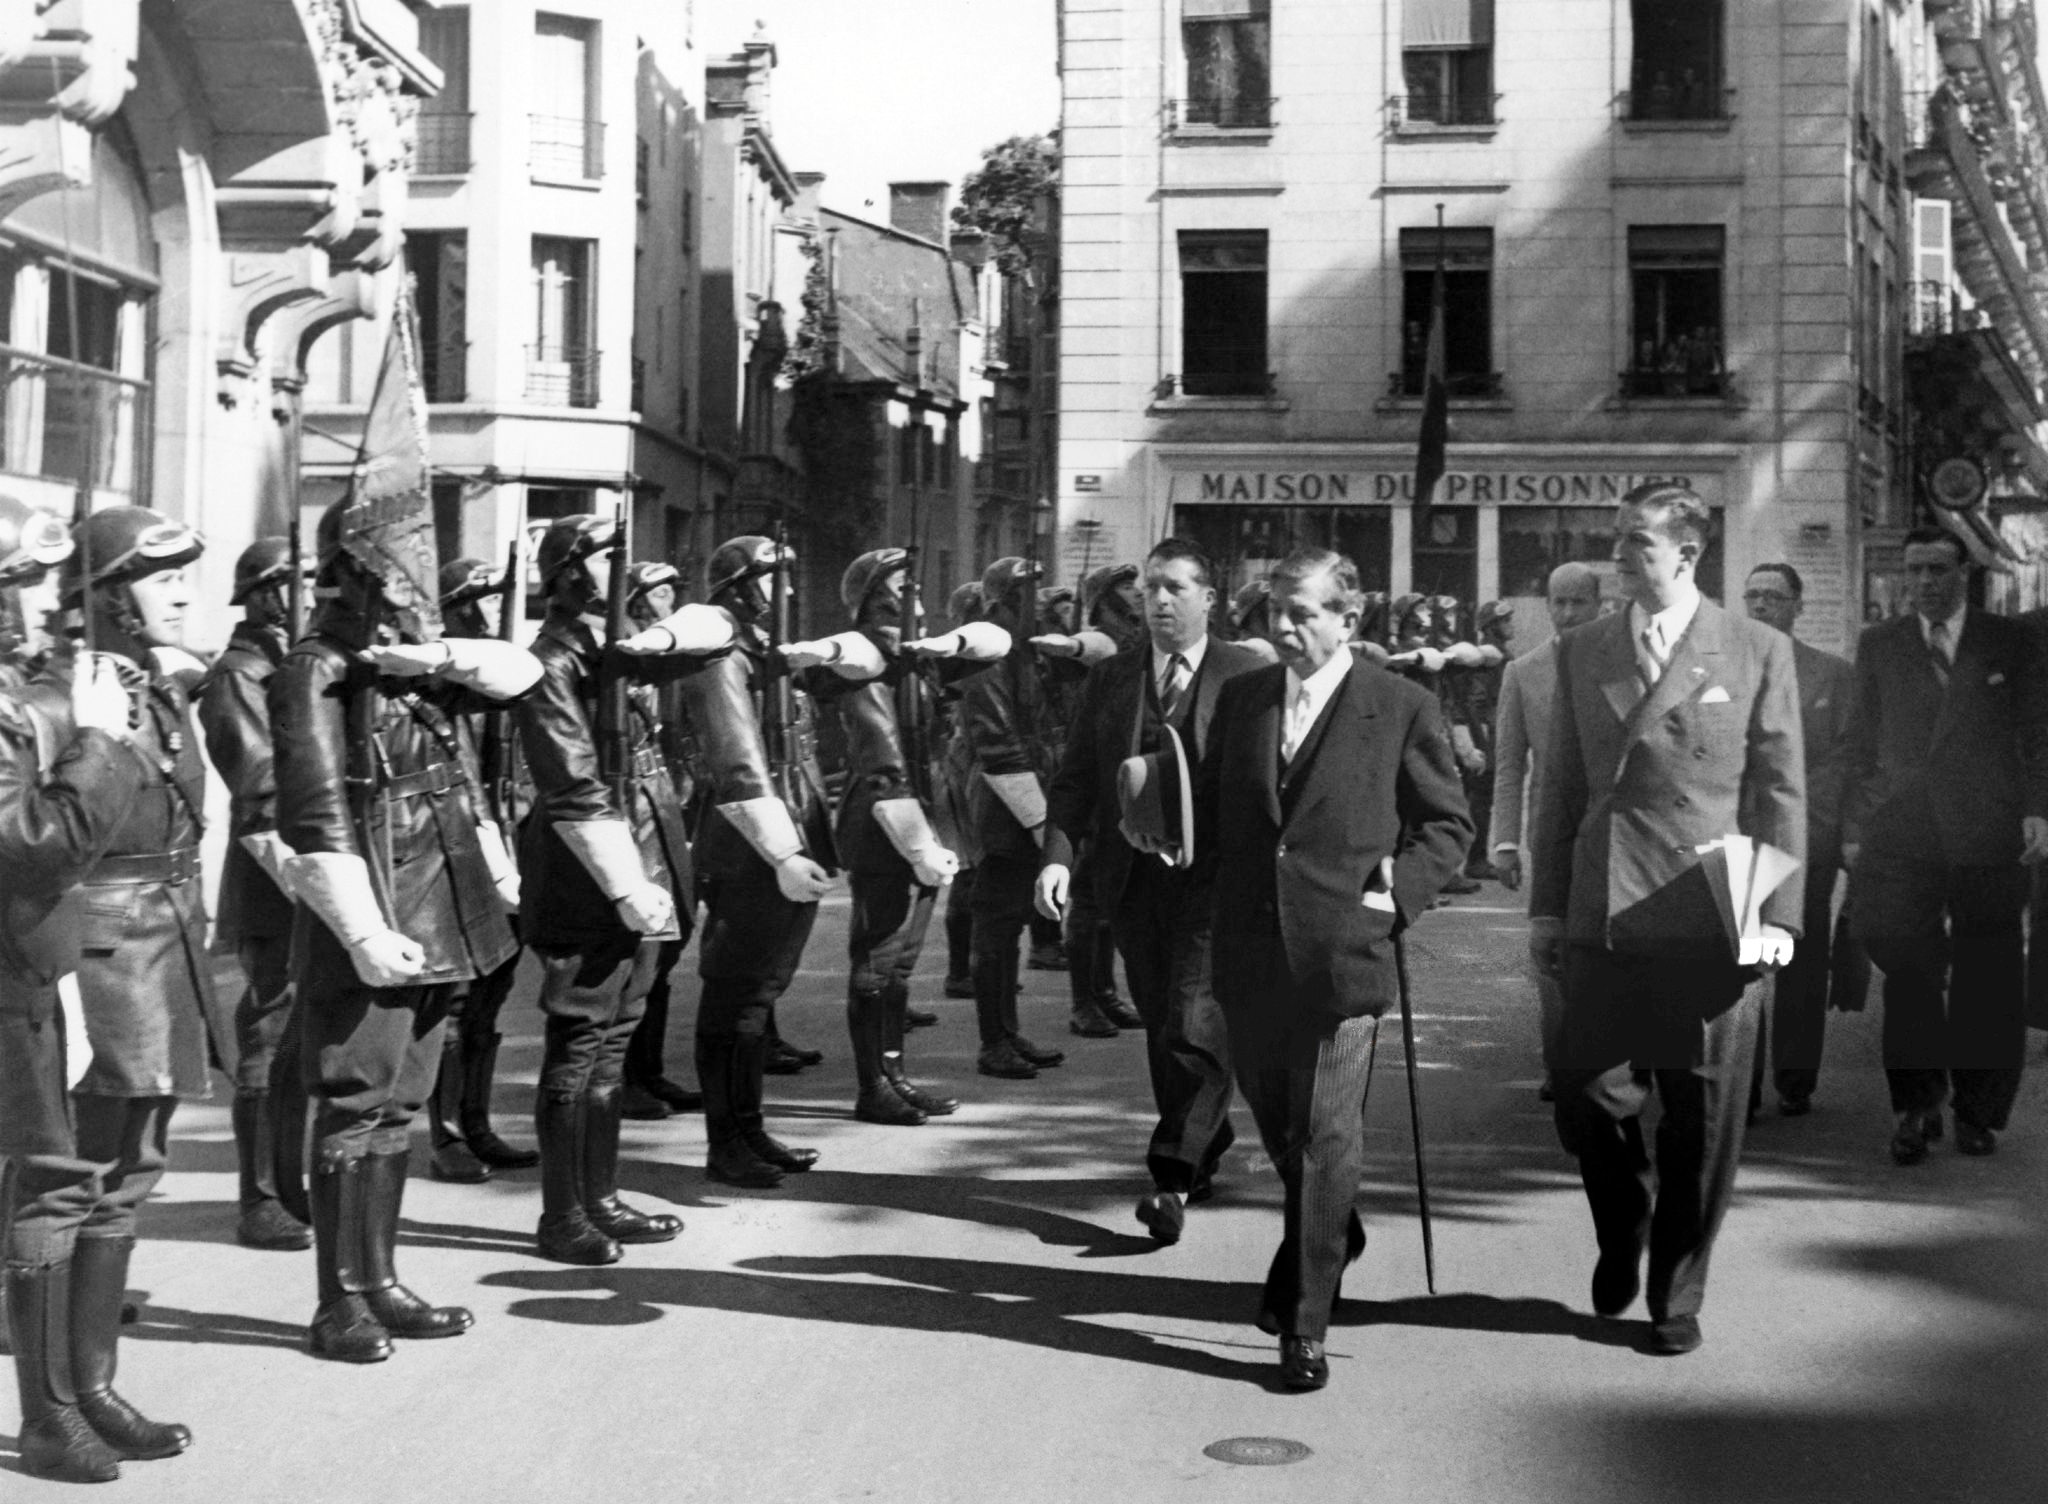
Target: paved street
(966,1311)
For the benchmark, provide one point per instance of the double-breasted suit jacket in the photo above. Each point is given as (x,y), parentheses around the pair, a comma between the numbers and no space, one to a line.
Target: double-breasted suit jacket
(1297,847)
(1639,778)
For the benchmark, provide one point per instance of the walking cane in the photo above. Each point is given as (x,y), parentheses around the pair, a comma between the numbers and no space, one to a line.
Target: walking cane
(1414,1109)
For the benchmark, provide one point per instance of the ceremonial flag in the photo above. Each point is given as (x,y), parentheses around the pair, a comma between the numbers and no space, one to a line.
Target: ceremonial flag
(1436,409)
(387,525)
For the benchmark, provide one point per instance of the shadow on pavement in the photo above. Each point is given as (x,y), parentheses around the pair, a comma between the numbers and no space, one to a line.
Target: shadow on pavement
(1515,1316)
(1024,1303)
(169,1324)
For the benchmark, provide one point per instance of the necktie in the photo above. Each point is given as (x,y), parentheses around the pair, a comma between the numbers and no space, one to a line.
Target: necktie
(1297,725)
(1172,685)
(1653,654)
(1937,650)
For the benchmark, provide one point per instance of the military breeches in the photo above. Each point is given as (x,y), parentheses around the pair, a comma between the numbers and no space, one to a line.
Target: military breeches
(265,1010)
(370,1056)
(592,996)
(885,934)
(753,941)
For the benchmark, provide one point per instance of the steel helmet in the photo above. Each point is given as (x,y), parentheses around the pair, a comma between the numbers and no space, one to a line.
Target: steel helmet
(1098,583)
(1496,615)
(1002,578)
(964,604)
(742,558)
(1250,599)
(31,541)
(866,573)
(570,540)
(464,581)
(650,574)
(262,562)
(124,543)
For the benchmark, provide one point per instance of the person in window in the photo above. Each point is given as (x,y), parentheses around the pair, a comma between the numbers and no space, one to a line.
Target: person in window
(1702,363)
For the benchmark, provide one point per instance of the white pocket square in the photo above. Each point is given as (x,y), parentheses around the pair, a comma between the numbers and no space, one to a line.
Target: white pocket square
(1715,695)
(1379,888)
(1996,679)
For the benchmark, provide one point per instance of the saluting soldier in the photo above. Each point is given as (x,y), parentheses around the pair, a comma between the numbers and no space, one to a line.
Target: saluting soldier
(144,978)
(401,900)
(254,914)
(885,695)
(466,1149)
(608,875)
(765,853)
(955,816)
(70,773)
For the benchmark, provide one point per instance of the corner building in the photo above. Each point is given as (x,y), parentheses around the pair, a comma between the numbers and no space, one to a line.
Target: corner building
(1676,241)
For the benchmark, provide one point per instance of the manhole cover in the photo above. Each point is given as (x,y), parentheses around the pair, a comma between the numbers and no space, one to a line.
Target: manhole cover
(1256,1451)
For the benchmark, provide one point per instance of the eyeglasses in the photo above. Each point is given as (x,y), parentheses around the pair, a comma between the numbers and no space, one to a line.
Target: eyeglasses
(1756,597)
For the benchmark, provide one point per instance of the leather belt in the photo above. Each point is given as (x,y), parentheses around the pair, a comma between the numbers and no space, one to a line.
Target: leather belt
(172,867)
(435,779)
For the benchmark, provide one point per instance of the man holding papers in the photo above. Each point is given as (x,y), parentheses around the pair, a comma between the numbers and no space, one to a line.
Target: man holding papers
(1675,728)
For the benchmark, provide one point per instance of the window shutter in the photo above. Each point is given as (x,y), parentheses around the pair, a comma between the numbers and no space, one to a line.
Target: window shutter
(1933,251)
(1225,10)
(1675,245)
(1447,23)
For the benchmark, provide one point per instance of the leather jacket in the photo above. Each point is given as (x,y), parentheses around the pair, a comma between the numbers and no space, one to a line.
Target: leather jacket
(1013,719)
(234,712)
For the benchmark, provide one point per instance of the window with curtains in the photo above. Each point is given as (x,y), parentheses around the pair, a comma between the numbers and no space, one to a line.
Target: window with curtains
(443,123)
(1223,313)
(439,264)
(1675,287)
(1447,61)
(561,363)
(1676,73)
(1467,259)
(1228,46)
(565,136)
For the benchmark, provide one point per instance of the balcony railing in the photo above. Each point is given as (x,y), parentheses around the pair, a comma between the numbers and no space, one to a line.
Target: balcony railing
(1422,110)
(1219,384)
(565,146)
(1472,385)
(444,369)
(442,147)
(53,412)
(1231,112)
(561,375)
(1687,100)
(1668,380)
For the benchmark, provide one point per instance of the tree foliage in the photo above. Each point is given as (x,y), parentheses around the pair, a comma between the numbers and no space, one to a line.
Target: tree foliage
(1002,197)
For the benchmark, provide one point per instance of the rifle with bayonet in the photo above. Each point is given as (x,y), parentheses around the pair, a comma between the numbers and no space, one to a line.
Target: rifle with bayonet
(778,723)
(502,770)
(917,688)
(614,711)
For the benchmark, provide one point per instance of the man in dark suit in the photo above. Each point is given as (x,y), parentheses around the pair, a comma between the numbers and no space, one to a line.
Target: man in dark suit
(1948,797)
(1675,724)
(1775,596)
(1159,912)
(1332,800)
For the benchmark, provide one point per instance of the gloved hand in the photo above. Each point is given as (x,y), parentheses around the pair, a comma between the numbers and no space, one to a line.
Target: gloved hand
(99,701)
(801,879)
(1050,894)
(504,873)
(810,654)
(934,867)
(976,641)
(647,909)
(385,958)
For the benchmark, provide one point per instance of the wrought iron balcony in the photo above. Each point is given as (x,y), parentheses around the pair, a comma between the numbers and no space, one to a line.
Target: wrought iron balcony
(1688,101)
(561,375)
(1420,111)
(1667,381)
(60,420)
(565,146)
(1471,385)
(1219,384)
(1230,112)
(442,145)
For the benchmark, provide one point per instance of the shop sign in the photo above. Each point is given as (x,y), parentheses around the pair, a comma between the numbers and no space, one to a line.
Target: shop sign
(1502,486)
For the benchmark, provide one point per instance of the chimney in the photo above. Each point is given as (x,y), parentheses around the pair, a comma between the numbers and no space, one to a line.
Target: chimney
(809,188)
(919,209)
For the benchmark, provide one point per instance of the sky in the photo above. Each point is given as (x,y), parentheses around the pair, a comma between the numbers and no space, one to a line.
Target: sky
(871,92)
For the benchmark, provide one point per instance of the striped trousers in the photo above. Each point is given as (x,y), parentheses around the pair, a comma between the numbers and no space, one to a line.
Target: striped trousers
(1309,1103)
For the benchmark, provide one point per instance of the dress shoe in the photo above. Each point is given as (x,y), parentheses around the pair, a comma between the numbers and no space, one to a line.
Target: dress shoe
(268,1226)
(1119,1012)
(680,1098)
(628,1224)
(1910,1138)
(879,1102)
(1794,1107)
(454,1163)
(1972,1140)
(1481,870)
(642,1105)
(1043,1058)
(772,1150)
(1460,884)
(735,1164)
(1204,1188)
(1617,1281)
(404,1314)
(918,1018)
(571,1238)
(1090,1022)
(1302,1363)
(344,1330)
(1162,1215)
(1002,1059)
(1052,957)
(1675,1335)
(959,987)
(930,1103)
(778,1059)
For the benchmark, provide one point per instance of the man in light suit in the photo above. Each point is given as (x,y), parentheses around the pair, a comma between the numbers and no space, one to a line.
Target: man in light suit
(1159,912)
(1675,724)
(1775,596)
(1332,800)
(1947,805)
(1521,738)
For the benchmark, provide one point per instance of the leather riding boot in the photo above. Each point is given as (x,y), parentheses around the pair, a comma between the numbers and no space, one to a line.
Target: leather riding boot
(343,1327)
(895,1021)
(878,1101)
(959,941)
(263,1223)
(602,1109)
(566,1233)
(453,1160)
(727,1157)
(56,1440)
(99,1278)
(402,1313)
(479,1067)
(747,1057)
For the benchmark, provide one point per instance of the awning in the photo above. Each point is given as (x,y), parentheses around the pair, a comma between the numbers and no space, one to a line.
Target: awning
(1447,23)
(1225,10)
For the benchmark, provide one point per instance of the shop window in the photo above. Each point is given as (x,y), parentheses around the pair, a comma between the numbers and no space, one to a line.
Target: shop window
(1447,61)
(1535,540)
(1676,340)
(1444,555)
(1245,543)
(1229,48)
(1676,70)
(439,264)
(1223,313)
(1466,256)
